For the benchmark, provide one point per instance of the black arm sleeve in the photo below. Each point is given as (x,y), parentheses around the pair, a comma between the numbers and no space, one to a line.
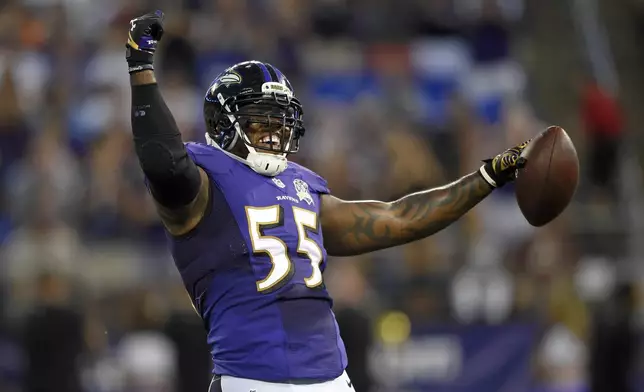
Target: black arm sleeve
(173,177)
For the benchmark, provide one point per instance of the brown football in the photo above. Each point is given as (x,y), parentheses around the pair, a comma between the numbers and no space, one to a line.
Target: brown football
(545,186)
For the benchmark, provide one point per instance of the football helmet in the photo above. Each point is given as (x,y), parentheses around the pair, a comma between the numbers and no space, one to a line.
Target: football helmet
(254,96)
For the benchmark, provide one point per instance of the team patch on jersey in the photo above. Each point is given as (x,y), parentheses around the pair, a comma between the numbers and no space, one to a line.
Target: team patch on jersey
(302,191)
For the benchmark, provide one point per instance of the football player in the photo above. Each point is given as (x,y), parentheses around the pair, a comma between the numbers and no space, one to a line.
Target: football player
(250,232)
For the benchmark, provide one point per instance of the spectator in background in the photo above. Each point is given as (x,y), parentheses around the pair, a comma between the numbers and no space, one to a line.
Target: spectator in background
(103,70)
(14,137)
(613,345)
(48,182)
(332,19)
(146,356)
(178,55)
(23,48)
(53,339)
(186,331)
(439,60)
(105,173)
(603,124)
(44,190)
(495,77)
(349,290)
(11,361)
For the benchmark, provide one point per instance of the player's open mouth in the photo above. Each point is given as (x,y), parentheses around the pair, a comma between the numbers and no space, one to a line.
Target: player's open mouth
(271,141)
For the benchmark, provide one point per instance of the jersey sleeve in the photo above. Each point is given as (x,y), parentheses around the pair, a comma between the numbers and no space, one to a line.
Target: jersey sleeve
(212,160)
(190,148)
(196,151)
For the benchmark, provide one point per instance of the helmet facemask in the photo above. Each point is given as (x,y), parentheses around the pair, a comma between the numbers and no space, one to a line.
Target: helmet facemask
(268,129)
(269,124)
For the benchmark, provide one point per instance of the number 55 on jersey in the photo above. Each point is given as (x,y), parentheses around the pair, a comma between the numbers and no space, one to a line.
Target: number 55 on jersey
(262,242)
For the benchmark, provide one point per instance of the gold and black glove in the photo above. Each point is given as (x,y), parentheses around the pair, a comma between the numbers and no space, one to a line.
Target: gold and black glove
(504,167)
(142,40)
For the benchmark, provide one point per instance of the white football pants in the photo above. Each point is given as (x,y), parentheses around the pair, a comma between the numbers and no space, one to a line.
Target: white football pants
(233,384)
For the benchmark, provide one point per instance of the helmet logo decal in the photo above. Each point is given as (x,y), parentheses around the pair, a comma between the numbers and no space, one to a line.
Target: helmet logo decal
(229,78)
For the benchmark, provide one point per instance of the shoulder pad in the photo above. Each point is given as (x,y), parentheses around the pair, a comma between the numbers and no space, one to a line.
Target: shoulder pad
(315,181)
(209,158)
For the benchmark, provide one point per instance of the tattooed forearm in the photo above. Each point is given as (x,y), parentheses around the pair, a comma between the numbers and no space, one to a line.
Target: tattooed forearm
(424,213)
(358,227)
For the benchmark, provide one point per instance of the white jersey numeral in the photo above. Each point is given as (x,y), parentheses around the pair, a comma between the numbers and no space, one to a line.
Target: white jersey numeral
(308,219)
(260,218)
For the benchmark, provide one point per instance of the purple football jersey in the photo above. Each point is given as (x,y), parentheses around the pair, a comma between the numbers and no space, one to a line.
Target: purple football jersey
(253,268)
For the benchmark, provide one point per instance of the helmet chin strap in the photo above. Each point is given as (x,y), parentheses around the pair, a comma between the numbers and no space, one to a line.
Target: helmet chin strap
(263,163)
(266,164)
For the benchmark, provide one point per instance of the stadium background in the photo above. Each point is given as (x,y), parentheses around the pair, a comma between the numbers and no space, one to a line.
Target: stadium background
(399,96)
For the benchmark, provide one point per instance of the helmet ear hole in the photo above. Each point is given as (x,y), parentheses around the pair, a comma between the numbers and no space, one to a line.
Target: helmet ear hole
(224,122)
(211,115)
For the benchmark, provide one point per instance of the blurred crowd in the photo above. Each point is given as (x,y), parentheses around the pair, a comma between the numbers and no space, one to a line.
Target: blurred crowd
(398,96)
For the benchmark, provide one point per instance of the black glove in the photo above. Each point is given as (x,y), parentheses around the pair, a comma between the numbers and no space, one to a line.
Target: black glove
(144,35)
(504,167)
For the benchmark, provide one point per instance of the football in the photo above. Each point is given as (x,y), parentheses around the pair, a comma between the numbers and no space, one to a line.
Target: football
(547,183)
